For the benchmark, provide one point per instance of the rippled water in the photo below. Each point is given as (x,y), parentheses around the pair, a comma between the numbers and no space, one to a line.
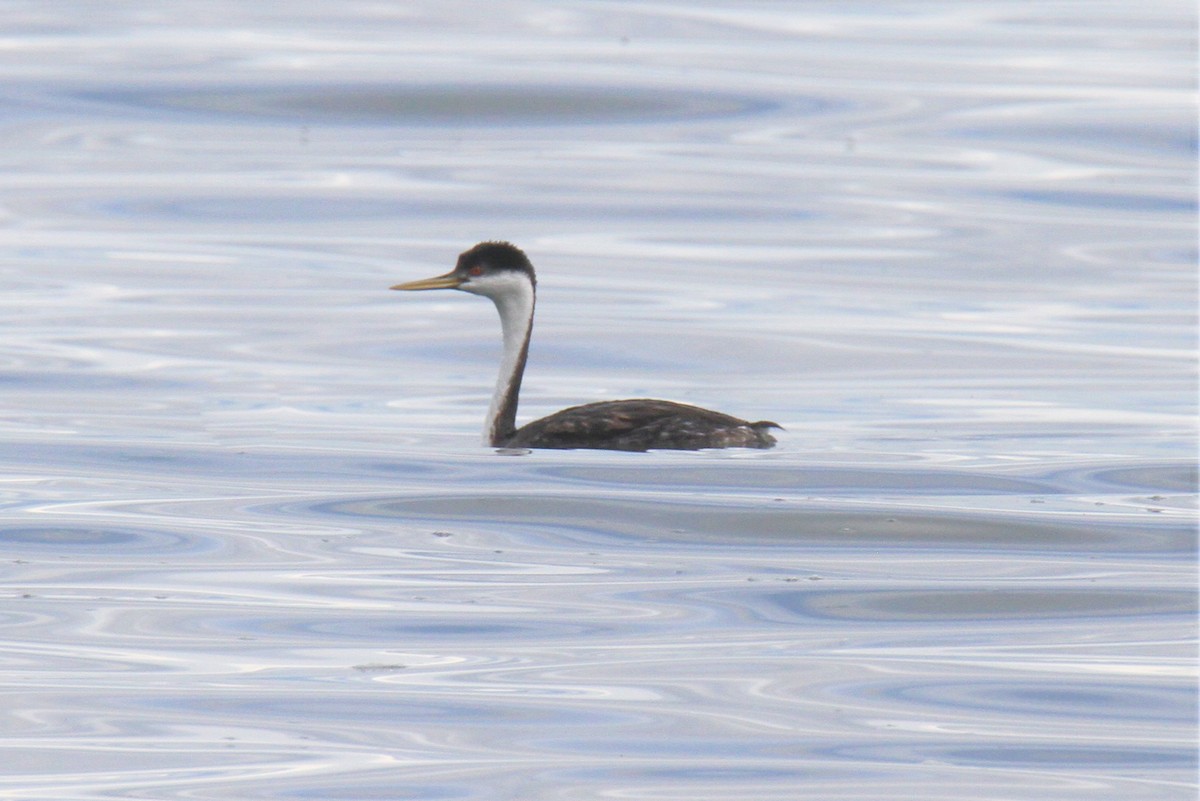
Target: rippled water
(254,548)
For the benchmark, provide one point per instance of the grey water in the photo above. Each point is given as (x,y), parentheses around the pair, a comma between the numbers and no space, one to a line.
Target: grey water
(253,548)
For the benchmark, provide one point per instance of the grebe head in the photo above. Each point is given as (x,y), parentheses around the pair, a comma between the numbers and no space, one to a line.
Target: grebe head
(493,269)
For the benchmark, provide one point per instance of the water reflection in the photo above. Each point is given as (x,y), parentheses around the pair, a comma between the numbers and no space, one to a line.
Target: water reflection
(451,104)
(647,520)
(981,606)
(1079,699)
(115,542)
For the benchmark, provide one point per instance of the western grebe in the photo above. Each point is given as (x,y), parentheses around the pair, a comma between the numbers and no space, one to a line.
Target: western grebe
(502,272)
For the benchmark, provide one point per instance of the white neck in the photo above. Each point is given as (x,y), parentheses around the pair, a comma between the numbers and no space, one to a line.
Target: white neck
(514,298)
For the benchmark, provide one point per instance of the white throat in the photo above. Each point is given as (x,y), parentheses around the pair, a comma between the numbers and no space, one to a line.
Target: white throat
(514,297)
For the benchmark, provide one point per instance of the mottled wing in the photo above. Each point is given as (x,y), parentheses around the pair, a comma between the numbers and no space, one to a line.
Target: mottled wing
(639,425)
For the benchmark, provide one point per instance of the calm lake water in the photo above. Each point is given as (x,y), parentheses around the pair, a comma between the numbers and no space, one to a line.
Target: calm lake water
(253,548)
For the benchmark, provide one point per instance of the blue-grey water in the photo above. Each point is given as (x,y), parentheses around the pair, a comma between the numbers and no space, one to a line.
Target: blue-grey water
(253,548)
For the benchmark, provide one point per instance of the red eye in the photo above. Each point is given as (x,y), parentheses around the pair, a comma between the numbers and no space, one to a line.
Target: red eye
(476,270)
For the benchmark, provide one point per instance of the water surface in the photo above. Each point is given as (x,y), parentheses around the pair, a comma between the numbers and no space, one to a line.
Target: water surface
(255,550)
